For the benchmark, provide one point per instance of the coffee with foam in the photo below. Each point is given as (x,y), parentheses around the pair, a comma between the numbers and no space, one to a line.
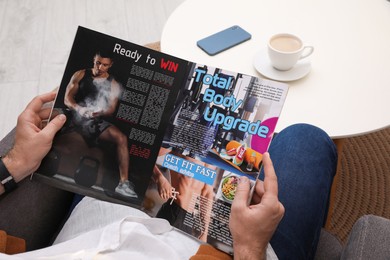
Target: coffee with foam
(286,43)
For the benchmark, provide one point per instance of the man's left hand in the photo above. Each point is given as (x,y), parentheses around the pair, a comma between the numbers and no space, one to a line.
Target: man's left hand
(32,140)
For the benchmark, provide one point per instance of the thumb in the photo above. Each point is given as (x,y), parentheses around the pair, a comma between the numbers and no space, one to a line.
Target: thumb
(54,126)
(242,193)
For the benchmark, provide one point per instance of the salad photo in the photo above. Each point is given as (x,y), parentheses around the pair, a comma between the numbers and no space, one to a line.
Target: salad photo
(228,187)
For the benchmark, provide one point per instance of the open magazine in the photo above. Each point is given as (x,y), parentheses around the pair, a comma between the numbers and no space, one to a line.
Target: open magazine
(165,135)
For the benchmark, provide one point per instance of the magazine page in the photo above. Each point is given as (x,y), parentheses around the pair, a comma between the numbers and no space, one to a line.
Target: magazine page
(222,124)
(118,98)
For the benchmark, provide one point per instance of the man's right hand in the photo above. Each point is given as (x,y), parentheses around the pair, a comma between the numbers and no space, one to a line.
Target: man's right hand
(252,226)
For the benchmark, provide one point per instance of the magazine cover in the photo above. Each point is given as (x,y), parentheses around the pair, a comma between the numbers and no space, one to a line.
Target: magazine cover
(168,136)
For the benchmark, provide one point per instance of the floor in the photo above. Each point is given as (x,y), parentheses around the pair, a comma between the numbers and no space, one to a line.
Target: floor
(36,37)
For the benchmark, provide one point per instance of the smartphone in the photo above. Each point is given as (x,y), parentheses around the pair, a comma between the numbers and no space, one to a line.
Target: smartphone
(223,40)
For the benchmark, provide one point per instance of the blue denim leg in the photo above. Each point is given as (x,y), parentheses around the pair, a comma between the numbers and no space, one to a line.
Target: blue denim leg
(305,161)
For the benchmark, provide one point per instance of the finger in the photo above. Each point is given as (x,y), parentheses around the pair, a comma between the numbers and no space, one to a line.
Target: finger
(37,103)
(270,179)
(259,188)
(48,105)
(44,113)
(54,125)
(163,195)
(258,193)
(242,193)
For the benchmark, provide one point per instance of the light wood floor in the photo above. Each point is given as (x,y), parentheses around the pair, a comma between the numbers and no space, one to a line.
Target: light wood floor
(36,38)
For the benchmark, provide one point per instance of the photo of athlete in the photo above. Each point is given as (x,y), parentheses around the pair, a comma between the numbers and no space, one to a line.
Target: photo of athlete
(92,95)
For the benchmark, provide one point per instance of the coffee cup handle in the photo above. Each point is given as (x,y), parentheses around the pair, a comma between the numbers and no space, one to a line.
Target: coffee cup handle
(308,49)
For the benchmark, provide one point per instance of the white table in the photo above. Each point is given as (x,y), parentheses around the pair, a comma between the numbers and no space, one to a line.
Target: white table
(347,92)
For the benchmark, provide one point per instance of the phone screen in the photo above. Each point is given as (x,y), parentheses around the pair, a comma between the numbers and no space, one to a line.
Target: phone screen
(223,40)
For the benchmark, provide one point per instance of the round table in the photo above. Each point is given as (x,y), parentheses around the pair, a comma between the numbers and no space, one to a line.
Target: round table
(347,91)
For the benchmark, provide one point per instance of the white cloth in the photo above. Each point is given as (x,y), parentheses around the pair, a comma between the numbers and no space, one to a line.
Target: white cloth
(102,230)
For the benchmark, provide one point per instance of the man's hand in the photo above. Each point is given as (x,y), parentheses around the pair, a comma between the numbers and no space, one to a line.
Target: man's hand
(252,226)
(32,142)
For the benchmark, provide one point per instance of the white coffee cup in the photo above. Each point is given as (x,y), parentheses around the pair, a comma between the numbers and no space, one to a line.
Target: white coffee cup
(285,50)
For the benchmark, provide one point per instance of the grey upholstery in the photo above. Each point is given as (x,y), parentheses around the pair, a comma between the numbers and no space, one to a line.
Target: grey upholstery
(329,247)
(369,239)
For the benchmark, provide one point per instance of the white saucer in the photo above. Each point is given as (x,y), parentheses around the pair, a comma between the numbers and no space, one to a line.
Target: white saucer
(263,66)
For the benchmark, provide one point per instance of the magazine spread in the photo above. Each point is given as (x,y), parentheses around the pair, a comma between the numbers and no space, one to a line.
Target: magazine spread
(168,136)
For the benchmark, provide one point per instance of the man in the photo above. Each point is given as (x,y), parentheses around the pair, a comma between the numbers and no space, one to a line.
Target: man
(305,169)
(92,95)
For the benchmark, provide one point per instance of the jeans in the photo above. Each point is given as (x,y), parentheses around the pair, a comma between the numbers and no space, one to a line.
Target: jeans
(305,161)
